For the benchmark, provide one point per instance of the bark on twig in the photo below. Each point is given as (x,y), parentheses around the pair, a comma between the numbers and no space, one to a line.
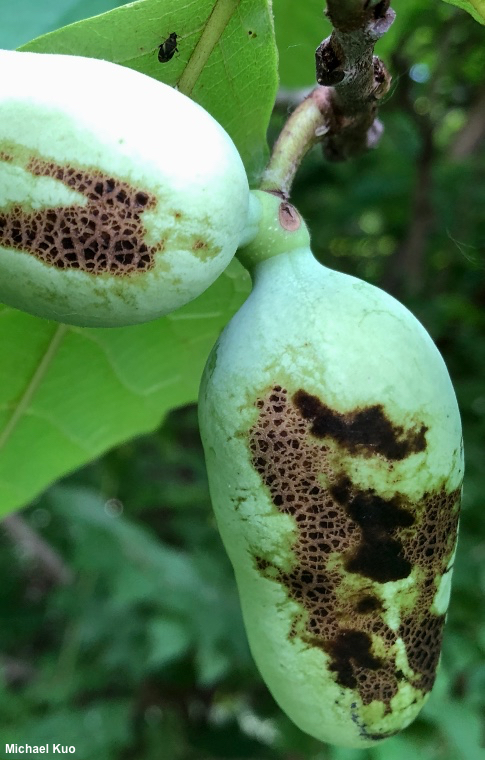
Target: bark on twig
(346,61)
(472,135)
(37,550)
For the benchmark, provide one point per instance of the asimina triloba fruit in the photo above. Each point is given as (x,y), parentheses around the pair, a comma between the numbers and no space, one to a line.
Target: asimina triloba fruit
(334,451)
(120,198)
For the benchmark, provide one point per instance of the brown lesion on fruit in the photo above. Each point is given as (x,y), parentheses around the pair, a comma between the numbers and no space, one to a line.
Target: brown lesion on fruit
(368,603)
(351,540)
(204,249)
(380,553)
(4,156)
(351,650)
(105,235)
(363,431)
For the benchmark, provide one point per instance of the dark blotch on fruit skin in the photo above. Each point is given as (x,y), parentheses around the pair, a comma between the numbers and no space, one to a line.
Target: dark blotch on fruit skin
(368,604)
(379,555)
(262,564)
(366,429)
(348,650)
(387,565)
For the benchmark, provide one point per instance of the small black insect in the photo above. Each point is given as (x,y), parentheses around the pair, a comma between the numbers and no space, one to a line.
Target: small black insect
(168,48)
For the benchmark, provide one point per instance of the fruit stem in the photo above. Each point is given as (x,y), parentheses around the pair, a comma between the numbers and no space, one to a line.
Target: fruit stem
(303,129)
(274,227)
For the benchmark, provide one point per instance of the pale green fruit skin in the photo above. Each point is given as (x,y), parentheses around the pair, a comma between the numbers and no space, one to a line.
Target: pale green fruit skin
(306,327)
(184,199)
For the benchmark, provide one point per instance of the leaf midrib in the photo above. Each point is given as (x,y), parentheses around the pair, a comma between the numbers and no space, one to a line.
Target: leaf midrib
(34,383)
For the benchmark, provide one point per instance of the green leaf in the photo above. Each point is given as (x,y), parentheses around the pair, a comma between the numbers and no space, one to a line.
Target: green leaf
(169,641)
(68,394)
(232,73)
(29,18)
(475,7)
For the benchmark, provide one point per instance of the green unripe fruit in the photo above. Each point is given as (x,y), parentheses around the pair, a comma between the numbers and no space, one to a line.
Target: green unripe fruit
(120,198)
(333,445)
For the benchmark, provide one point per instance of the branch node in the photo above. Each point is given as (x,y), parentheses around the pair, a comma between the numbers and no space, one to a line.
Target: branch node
(346,62)
(340,113)
(379,7)
(330,60)
(382,79)
(381,24)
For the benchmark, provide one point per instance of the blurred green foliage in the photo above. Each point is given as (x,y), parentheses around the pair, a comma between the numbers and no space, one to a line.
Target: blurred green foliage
(120,625)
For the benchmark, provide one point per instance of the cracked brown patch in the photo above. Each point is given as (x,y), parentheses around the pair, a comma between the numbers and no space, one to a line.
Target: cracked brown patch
(104,236)
(348,533)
